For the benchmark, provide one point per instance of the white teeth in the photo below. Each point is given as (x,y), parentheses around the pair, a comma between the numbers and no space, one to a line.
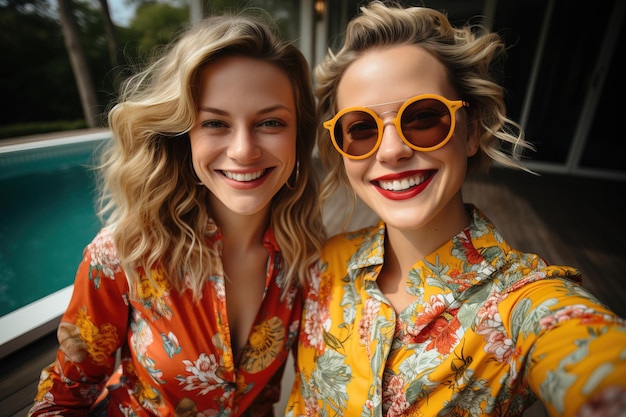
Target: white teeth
(249,176)
(401,185)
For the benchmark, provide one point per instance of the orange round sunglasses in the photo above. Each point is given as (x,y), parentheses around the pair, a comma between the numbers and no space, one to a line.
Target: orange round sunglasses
(424,122)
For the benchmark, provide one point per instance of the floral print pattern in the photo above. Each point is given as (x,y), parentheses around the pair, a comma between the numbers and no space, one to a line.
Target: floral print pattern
(491,329)
(176,358)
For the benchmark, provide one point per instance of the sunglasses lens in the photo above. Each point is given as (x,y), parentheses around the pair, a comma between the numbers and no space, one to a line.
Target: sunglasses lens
(426,123)
(356,133)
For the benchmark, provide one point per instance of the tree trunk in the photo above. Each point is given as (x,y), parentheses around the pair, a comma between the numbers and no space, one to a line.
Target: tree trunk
(78,61)
(109,32)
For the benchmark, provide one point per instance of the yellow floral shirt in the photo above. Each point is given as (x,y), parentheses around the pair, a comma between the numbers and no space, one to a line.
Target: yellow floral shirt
(491,329)
(176,355)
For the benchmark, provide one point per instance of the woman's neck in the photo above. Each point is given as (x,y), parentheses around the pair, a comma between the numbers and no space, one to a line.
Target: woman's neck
(405,247)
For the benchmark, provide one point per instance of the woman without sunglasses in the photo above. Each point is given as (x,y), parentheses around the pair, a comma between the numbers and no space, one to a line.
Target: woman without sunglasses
(213,221)
(430,312)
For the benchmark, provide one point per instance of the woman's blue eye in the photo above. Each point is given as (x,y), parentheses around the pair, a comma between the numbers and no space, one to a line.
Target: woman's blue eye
(272,123)
(212,124)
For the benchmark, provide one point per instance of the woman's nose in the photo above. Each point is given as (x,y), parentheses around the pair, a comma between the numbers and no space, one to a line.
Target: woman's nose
(243,146)
(392,147)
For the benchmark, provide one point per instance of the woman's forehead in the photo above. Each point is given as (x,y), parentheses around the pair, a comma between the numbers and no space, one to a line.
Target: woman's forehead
(392,74)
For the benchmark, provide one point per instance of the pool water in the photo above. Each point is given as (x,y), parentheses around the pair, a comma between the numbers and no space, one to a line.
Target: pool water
(47,217)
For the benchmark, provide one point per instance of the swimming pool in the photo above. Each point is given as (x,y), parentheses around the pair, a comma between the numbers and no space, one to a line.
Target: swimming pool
(47,217)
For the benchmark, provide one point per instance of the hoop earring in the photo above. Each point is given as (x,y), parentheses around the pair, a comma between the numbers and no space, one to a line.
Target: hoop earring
(295,183)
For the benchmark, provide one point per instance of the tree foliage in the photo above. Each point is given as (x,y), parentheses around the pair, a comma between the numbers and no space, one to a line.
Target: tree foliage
(154,25)
(35,73)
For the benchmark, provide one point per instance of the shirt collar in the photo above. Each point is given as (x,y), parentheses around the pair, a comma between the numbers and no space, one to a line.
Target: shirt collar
(214,234)
(477,266)
(476,253)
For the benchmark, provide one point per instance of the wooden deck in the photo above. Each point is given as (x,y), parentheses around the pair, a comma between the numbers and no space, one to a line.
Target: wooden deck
(568,220)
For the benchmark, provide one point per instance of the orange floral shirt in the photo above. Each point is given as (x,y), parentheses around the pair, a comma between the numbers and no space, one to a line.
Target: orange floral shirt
(490,331)
(176,355)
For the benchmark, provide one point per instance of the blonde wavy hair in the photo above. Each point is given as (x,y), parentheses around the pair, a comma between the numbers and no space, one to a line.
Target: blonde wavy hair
(149,195)
(470,54)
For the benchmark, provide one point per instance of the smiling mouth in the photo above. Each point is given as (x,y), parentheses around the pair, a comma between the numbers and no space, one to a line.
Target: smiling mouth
(248,176)
(404,183)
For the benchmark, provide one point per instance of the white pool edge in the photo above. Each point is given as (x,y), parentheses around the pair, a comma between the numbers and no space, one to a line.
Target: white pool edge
(45,143)
(27,324)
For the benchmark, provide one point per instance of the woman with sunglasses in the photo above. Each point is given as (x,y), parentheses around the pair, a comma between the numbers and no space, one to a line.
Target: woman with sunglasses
(430,312)
(212,224)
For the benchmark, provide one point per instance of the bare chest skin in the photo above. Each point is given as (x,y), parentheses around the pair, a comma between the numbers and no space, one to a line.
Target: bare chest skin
(245,285)
(392,283)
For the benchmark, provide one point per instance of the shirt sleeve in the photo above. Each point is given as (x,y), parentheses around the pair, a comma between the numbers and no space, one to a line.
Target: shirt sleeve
(577,346)
(91,330)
